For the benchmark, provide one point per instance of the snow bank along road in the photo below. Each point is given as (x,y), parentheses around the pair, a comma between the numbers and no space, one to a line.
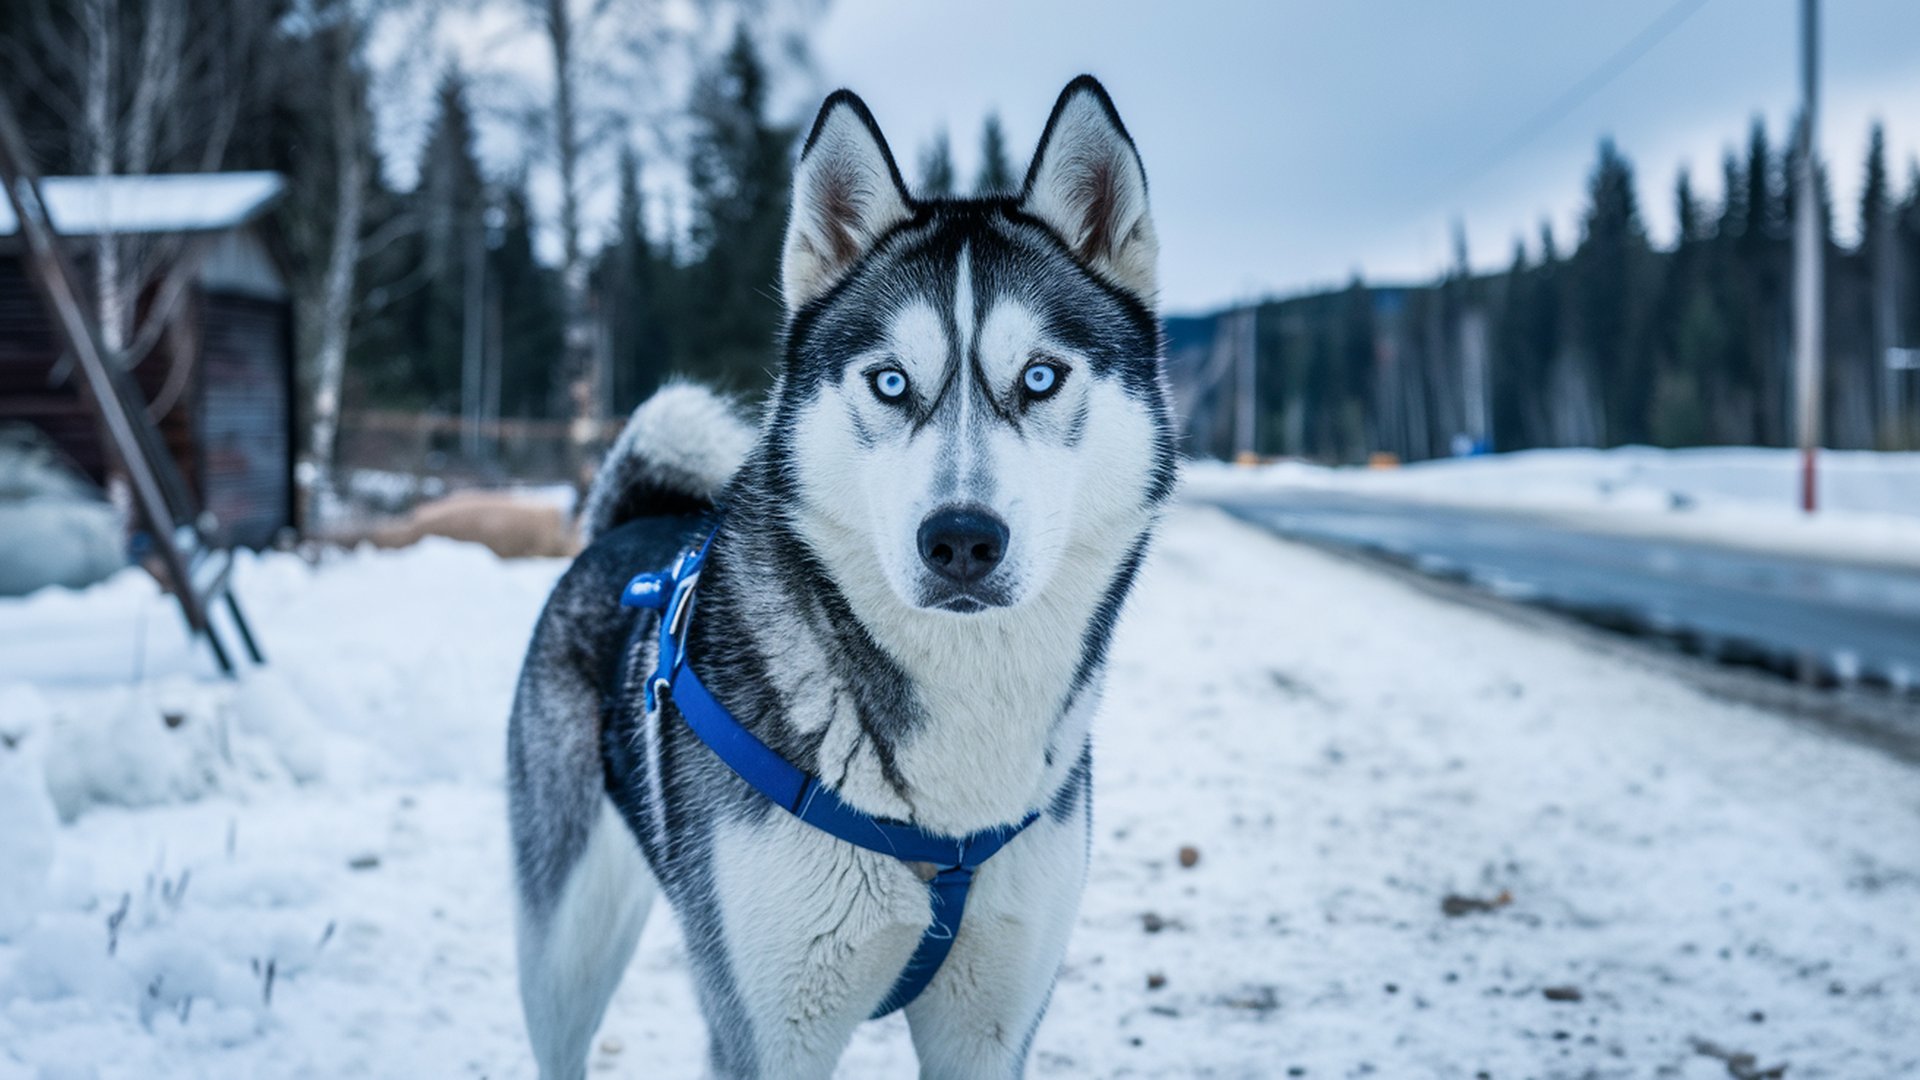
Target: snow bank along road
(1429,843)
(1845,622)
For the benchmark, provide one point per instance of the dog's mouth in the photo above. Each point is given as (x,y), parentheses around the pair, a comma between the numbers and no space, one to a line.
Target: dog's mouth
(965,601)
(963,605)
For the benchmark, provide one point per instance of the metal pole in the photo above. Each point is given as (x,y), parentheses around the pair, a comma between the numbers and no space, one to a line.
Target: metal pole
(1242,328)
(1808,258)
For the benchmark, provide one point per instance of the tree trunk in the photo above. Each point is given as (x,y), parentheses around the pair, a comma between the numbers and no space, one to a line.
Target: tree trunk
(582,381)
(159,73)
(101,140)
(343,254)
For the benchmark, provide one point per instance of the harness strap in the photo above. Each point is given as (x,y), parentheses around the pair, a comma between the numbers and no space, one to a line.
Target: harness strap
(801,794)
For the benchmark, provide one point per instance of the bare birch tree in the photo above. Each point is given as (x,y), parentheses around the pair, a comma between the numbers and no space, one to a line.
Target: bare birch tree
(153,85)
(101,137)
(344,82)
(343,66)
(581,379)
(621,66)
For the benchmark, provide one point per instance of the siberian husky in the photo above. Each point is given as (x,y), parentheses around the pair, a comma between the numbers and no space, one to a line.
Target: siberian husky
(914,569)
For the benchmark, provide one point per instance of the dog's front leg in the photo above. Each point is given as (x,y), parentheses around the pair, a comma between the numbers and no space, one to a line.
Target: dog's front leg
(816,931)
(978,1016)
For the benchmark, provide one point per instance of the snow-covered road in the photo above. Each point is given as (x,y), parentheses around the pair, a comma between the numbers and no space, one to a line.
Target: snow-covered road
(1745,497)
(1343,753)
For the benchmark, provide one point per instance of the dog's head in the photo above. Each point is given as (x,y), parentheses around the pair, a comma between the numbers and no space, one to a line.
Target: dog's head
(971,388)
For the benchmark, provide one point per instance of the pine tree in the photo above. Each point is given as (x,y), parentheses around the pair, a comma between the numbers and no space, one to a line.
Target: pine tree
(1874,320)
(1682,359)
(448,203)
(1876,203)
(382,354)
(1688,221)
(1612,271)
(1518,371)
(450,184)
(1354,357)
(1733,210)
(525,308)
(996,171)
(1789,189)
(739,173)
(629,216)
(936,167)
(628,282)
(1548,327)
(1760,264)
(1761,200)
(419,282)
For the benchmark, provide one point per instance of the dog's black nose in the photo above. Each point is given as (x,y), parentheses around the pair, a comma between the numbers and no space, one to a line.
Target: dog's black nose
(962,545)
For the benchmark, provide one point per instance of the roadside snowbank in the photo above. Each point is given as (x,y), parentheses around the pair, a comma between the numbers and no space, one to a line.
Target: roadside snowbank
(1738,496)
(310,878)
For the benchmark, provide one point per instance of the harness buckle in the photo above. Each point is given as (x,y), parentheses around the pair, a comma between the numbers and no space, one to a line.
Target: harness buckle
(670,592)
(648,590)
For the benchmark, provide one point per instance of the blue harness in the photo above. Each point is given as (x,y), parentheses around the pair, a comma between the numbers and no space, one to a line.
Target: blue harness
(670,592)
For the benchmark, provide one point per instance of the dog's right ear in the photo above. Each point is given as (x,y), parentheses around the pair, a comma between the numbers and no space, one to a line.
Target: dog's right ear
(847,193)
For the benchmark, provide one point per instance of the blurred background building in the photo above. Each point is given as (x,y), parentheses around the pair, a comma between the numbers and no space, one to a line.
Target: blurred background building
(216,372)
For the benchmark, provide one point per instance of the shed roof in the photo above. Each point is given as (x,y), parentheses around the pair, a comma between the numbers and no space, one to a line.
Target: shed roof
(176,202)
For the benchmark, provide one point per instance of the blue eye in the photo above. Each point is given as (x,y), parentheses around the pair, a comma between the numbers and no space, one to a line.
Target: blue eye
(890,384)
(1041,378)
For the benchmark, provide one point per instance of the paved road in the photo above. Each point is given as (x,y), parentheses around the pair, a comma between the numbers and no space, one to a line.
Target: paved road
(1796,615)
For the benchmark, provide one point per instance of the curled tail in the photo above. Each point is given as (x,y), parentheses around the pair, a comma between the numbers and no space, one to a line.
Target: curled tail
(677,452)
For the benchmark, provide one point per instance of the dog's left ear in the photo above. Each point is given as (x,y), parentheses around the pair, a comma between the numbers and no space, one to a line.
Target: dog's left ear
(847,193)
(1087,184)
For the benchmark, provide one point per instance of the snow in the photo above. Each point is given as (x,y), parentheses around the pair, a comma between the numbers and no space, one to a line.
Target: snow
(54,526)
(179,202)
(306,874)
(57,541)
(1738,496)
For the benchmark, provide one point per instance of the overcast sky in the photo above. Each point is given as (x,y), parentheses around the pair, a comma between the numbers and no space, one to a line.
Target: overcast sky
(1289,144)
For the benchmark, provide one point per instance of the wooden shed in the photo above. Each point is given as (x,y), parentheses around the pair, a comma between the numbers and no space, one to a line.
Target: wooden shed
(219,381)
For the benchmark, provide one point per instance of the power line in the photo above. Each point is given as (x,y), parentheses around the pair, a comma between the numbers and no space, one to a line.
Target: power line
(1574,96)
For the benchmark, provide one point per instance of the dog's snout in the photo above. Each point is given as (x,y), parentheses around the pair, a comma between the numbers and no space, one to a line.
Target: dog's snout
(962,545)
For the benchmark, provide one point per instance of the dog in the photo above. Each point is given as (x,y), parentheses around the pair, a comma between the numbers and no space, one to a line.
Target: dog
(912,572)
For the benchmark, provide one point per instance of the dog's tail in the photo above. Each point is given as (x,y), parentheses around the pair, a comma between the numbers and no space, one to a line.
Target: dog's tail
(677,452)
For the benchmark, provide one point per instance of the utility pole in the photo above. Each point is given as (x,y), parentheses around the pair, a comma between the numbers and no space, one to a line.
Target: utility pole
(1243,329)
(1476,405)
(1809,259)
